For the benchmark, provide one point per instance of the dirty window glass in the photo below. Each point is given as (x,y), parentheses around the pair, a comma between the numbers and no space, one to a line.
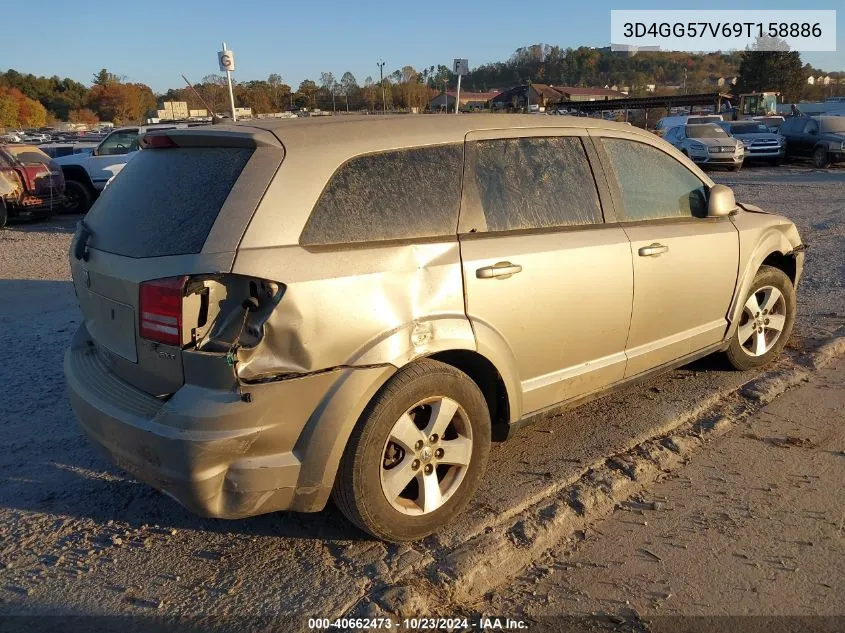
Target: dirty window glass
(653,184)
(165,201)
(527,183)
(404,194)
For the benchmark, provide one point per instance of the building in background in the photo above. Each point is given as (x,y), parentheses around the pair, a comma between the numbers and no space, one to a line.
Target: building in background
(469,100)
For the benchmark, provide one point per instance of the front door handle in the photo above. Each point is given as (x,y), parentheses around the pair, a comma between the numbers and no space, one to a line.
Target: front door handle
(653,250)
(500,270)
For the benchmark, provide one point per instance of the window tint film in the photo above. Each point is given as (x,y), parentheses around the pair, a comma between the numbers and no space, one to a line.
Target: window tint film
(165,201)
(404,194)
(528,183)
(653,184)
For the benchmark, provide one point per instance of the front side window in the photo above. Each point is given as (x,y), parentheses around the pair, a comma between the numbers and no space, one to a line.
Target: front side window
(652,184)
(121,142)
(403,194)
(535,182)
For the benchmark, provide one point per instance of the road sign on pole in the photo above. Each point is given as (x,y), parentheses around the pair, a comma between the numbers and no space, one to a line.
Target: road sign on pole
(226,59)
(460,68)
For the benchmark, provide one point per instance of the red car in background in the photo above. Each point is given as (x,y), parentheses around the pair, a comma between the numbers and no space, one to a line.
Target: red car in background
(32,184)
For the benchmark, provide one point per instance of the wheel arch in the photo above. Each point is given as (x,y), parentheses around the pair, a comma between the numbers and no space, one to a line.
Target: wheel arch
(488,379)
(78,173)
(773,249)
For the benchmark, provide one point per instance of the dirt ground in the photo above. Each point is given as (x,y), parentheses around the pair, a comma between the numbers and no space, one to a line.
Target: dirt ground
(752,526)
(77,536)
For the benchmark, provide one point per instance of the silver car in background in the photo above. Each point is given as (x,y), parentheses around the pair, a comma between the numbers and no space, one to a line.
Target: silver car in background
(759,141)
(707,145)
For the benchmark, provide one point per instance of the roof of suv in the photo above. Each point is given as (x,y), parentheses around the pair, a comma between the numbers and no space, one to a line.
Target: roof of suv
(395,131)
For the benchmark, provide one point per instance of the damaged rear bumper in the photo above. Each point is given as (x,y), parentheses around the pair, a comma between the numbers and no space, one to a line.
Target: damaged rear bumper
(214,453)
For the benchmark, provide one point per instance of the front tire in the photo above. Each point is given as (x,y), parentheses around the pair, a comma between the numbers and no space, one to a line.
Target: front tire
(821,158)
(766,321)
(417,453)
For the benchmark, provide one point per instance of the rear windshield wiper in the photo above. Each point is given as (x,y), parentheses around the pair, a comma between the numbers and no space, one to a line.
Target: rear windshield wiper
(80,251)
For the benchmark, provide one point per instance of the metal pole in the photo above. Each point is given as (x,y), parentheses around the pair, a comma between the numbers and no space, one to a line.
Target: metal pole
(528,98)
(231,94)
(457,97)
(381,79)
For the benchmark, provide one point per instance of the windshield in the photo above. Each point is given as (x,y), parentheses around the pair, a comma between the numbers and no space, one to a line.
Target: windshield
(748,128)
(833,125)
(705,131)
(710,118)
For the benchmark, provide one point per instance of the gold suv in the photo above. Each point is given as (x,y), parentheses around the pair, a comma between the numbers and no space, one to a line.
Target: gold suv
(281,311)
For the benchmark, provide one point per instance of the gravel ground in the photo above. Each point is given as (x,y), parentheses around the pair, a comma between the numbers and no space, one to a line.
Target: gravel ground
(78,536)
(751,527)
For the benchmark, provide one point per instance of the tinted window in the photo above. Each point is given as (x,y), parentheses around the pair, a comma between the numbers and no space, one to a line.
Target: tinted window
(526,183)
(164,202)
(411,193)
(653,184)
(792,125)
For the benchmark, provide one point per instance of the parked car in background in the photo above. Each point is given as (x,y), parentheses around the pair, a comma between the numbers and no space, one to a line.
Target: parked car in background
(707,144)
(10,137)
(57,150)
(760,143)
(39,182)
(819,138)
(86,174)
(692,119)
(10,192)
(373,343)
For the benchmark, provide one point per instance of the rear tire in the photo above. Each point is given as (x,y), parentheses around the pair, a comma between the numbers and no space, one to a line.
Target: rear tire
(428,426)
(769,305)
(78,197)
(821,158)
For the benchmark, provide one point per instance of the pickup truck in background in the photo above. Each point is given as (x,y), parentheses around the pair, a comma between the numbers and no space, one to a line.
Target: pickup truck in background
(31,184)
(86,174)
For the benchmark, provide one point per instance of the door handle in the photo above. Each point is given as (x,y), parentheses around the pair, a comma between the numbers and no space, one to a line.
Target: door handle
(653,250)
(500,270)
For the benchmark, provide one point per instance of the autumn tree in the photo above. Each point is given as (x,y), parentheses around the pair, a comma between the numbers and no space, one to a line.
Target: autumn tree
(348,86)
(83,115)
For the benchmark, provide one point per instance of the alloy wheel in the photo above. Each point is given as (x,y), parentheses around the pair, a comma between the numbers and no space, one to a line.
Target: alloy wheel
(762,322)
(426,456)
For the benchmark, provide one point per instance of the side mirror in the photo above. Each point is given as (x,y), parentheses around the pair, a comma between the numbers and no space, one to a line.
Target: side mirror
(721,202)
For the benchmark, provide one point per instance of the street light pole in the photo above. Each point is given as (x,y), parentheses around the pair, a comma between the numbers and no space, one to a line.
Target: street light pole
(380,65)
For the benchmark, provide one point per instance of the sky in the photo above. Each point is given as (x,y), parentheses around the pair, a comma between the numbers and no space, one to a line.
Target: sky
(152,42)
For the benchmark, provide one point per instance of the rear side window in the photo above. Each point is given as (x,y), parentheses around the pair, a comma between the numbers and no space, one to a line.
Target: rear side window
(165,201)
(652,184)
(535,182)
(404,194)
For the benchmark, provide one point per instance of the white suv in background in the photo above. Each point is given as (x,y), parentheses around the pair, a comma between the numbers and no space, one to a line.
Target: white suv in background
(86,175)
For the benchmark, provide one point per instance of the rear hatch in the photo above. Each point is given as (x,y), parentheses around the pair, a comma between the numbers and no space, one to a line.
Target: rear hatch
(178,209)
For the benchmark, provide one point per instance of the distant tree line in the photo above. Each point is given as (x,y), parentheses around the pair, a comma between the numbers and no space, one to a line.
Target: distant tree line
(30,101)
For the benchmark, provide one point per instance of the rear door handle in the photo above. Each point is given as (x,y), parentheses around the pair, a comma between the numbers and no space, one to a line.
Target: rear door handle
(653,250)
(500,270)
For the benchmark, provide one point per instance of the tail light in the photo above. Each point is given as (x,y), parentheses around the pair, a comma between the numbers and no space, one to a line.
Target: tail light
(160,306)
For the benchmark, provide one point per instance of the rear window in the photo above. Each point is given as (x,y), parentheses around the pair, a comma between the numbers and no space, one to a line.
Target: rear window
(164,202)
(406,194)
(27,155)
